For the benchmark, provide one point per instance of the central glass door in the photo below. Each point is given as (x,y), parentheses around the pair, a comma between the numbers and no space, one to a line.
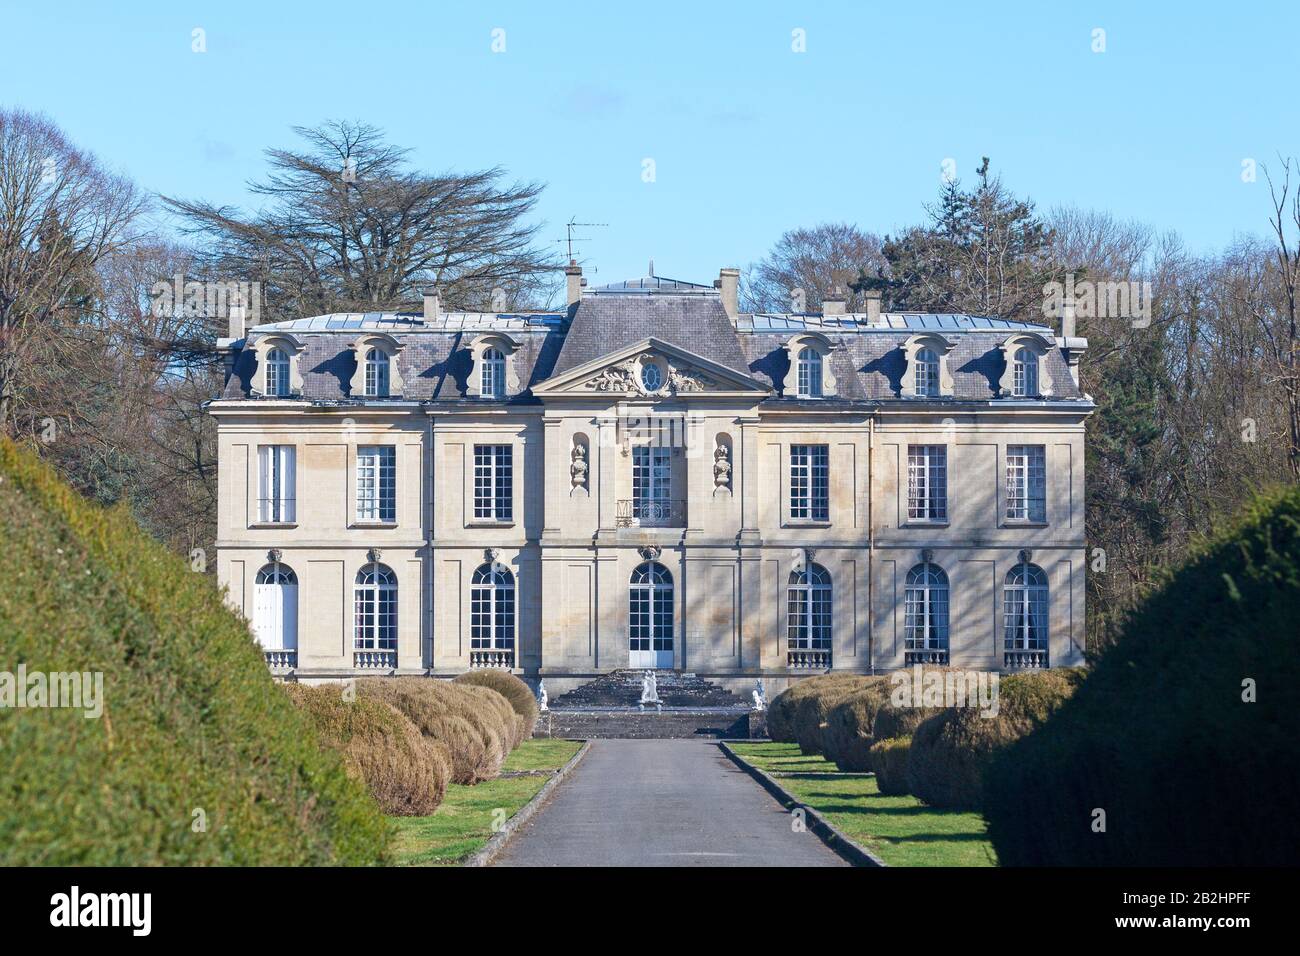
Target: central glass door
(650,641)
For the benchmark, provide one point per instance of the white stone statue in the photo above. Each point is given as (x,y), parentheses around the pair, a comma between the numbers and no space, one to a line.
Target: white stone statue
(760,696)
(541,696)
(650,690)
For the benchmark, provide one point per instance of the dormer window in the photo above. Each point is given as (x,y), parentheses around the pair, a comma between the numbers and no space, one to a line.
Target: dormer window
(492,379)
(927,373)
(1024,375)
(1025,381)
(277,373)
(810,373)
(377,374)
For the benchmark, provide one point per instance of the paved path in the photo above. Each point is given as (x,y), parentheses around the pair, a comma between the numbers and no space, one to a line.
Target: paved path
(662,803)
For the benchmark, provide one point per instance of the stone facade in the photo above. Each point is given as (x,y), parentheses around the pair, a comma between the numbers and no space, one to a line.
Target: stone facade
(649,422)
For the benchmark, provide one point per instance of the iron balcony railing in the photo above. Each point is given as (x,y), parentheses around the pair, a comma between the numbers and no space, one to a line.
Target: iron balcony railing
(651,513)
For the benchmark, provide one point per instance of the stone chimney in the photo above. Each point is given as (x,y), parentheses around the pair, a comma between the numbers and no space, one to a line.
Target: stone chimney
(238,321)
(834,302)
(872,299)
(573,281)
(432,305)
(729,282)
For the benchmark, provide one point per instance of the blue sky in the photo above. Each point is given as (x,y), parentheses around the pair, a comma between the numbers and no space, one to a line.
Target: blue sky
(748,137)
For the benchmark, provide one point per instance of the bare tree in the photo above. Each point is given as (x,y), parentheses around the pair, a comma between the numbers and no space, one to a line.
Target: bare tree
(815,260)
(350,227)
(61,214)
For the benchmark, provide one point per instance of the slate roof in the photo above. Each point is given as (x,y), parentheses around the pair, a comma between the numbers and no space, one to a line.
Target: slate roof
(607,323)
(867,359)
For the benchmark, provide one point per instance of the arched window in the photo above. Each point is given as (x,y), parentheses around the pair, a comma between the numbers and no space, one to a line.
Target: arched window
(1025,380)
(650,616)
(927,372)
(492,609)
(277,373)
(275,609)
(492,377)
(1025,610)
(377,376)
(375,627)
(809,612)
(810,373)
(926,621)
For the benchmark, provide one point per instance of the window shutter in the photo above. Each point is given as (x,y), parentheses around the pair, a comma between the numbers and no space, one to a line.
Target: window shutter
(289,485)
(264,481)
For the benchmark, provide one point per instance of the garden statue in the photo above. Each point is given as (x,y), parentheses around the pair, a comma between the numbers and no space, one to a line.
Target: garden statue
(650,690)
(760,696)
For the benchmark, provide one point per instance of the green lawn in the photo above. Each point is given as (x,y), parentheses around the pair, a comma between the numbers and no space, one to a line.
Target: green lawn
(902,831)
(464,821)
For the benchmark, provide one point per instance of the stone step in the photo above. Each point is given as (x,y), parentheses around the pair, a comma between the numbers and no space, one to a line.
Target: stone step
(622,688)
(730,723)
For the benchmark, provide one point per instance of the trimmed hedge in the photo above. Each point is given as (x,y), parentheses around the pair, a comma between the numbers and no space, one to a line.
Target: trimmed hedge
(952,750)
(781,711)
(197,758)
(512,689)
(403,772)
(508,724)
(466,723)
(850,726)
(1160,736)
(889,760)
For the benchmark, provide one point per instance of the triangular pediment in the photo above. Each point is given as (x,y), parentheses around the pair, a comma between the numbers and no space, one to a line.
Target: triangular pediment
(677,372)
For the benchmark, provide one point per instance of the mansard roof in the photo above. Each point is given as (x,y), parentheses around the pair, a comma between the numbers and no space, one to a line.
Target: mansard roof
(866,355)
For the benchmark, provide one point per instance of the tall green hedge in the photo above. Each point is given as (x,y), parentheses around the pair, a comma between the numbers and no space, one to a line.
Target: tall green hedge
(1159,739)
(197,758)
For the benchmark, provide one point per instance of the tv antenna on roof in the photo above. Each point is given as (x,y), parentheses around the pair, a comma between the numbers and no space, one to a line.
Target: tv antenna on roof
(573,224)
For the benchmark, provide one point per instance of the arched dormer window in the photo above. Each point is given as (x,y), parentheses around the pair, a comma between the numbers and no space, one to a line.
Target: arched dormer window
(1025,374)
(277,374)
(378,373)
(377,379)
(492,378)
(1024,381)
(492,370)
(810,374)
(927,373)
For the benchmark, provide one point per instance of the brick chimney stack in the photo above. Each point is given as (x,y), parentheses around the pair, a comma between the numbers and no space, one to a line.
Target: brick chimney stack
(834,302)
(432,304)
(872,299)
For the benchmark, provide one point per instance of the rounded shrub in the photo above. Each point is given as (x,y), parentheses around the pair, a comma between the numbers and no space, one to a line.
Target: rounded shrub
(415,697)
(780,712)
(508,724)
(379,745)
(951,751)
(850,726)
(512,689)
(889,760)
(466,723)
(1184,732)
(188,719)
(811,709)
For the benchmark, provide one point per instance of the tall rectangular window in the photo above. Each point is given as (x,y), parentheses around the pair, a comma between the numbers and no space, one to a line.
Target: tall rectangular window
(377,483)
(494,482)
(1026,483)
(810,482)
(652,474)
(276,502)
(927,483)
